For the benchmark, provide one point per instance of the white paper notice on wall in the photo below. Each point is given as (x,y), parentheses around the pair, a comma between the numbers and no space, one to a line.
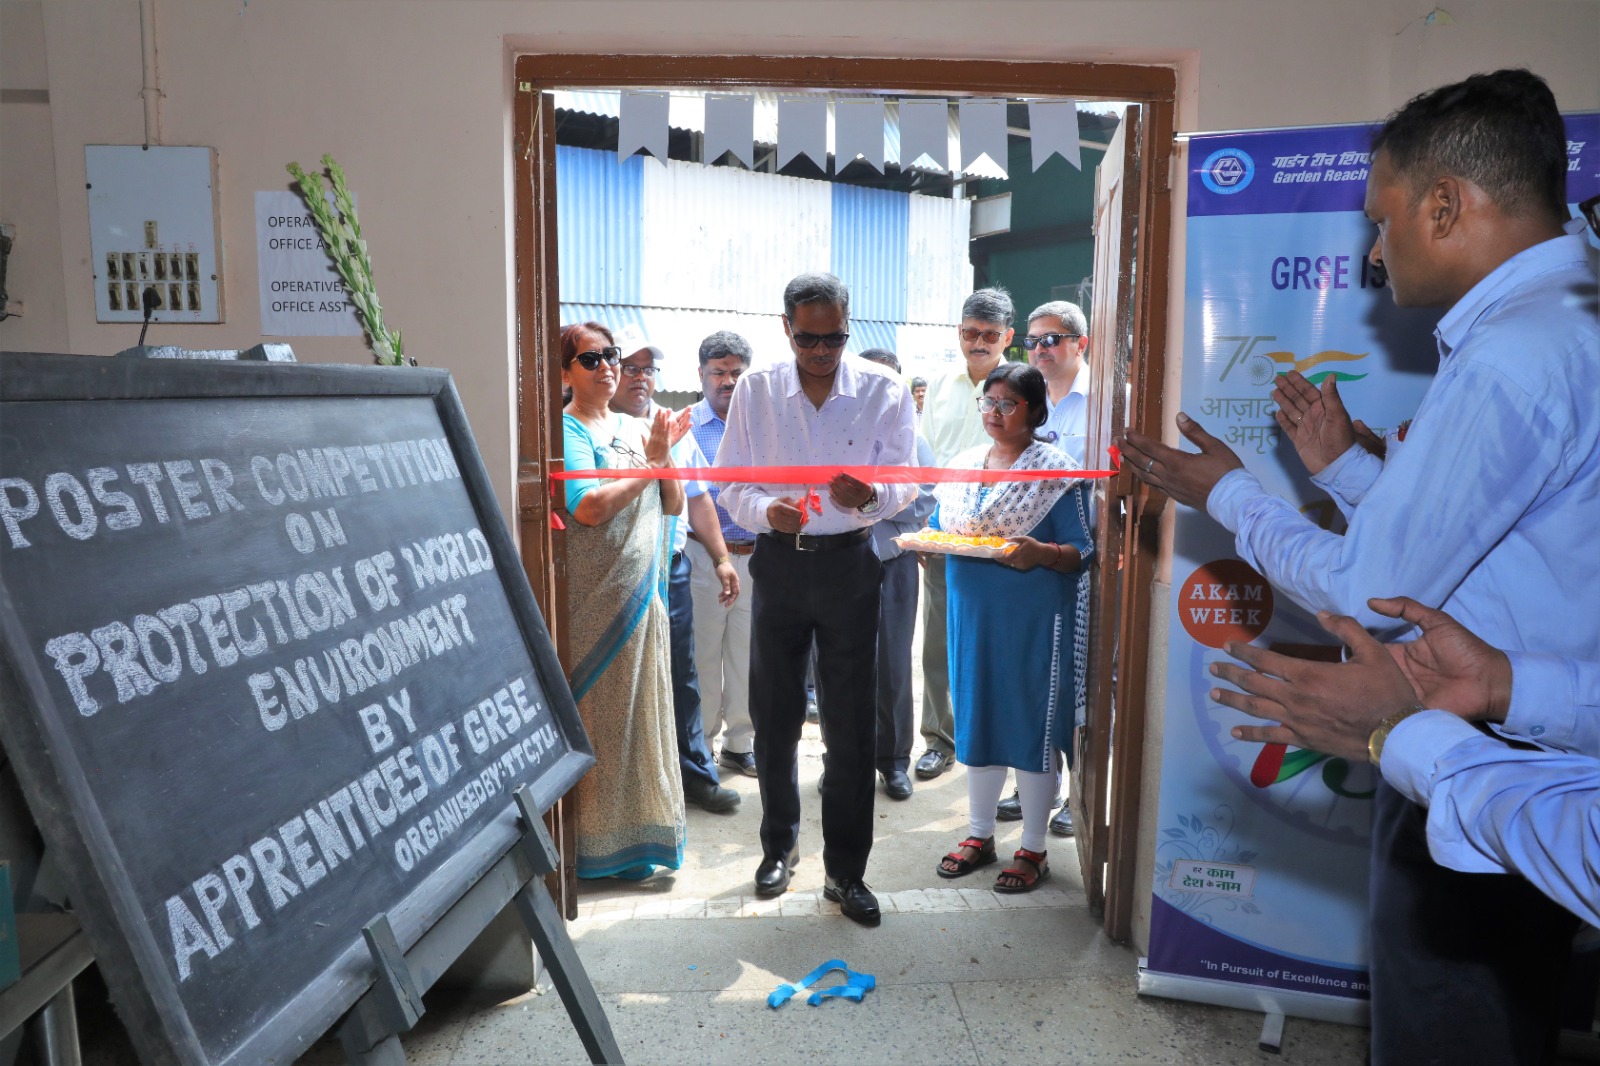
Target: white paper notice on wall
(301,294)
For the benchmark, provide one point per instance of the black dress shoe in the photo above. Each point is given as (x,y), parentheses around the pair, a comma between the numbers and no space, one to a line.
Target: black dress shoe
(772,876)
(932,764)
(709,797)
(1061,825)
(1010,810)
(854,898)
(743,762)
(897,784)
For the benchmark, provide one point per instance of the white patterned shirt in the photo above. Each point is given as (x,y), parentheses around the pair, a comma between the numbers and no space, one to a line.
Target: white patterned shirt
(868,419)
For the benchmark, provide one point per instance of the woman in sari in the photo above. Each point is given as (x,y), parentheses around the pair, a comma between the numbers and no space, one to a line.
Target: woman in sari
(630,806)
(1016,624)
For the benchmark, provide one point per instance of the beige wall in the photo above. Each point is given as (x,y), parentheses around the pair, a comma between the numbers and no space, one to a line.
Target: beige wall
(412,97)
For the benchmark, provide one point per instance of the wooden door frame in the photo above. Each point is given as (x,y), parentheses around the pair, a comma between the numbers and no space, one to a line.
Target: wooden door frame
(538,314)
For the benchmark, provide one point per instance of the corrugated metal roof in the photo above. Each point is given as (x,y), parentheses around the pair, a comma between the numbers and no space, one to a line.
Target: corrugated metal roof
(869,249)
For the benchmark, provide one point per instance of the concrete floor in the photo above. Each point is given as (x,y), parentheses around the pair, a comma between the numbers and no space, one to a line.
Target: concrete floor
(683,965)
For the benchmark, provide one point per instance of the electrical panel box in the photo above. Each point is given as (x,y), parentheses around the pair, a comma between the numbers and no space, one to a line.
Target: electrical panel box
(153,226)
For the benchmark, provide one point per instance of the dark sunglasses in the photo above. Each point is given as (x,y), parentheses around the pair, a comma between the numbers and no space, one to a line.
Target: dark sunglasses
(990,336)
(592,360)
(1048,340)
(832,341)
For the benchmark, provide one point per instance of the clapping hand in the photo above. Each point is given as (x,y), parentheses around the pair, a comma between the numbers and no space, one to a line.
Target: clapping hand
(658,446)
(680,425)
(1185,476)
(1315,420)
(1327,707)
(1449,667)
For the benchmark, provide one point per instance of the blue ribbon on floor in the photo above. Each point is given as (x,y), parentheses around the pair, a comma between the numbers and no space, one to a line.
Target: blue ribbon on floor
(855,986)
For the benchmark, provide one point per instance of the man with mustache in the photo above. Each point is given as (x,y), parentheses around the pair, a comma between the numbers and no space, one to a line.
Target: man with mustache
(951,423)
(722,631)
(817,577)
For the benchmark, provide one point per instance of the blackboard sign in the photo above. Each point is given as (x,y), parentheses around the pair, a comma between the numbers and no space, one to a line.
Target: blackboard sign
(271,668)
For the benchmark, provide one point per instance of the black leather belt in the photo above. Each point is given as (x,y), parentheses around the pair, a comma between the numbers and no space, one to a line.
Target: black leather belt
(805,542)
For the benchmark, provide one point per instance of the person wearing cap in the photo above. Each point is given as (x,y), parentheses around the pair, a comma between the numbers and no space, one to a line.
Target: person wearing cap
(636,397)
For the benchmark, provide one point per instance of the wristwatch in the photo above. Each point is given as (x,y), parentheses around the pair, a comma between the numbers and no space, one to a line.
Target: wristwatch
(872,504)
(1380,735)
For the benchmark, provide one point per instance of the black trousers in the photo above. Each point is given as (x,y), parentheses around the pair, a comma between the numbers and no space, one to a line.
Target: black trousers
(832,597)
(897,621)
(1466,968)
(694,755)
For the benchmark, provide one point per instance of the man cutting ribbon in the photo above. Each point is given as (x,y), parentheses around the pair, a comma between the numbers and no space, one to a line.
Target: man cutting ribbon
(828,410)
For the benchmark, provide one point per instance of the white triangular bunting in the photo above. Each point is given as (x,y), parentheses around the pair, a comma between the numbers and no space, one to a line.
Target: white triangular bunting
(925,130)
(642,123)
(730,127)
(1053,125)
(983,132)
(803,130)
(858,131)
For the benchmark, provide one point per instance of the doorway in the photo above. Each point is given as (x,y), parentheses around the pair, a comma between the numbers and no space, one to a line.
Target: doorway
(1130,290)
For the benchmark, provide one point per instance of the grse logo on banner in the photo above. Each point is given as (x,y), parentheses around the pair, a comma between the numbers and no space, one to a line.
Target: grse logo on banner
(1227,171)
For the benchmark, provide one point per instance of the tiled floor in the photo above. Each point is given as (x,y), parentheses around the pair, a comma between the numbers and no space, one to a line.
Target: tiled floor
(683,965)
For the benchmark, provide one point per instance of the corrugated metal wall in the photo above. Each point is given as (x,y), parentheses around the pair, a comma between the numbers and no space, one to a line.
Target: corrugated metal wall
(599,226)
(724,238)
(683,250)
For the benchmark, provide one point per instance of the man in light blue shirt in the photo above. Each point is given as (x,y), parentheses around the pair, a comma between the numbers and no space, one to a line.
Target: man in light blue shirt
(1487,510)
(1057,343)
(1492,807)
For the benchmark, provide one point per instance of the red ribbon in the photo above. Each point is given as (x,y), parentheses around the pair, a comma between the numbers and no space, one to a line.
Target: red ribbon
(812,475)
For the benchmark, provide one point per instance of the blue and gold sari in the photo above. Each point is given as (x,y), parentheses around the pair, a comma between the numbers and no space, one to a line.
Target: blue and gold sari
(630,806)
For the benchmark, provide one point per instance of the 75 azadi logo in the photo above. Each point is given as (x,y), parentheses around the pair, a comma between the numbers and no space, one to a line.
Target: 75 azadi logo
(1263,367)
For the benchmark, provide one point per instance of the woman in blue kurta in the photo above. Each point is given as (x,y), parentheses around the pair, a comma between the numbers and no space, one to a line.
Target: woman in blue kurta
(1016,625)
(630,806)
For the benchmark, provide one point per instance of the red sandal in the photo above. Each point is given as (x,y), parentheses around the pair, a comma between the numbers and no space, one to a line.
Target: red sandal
(984,846)
(1015,879)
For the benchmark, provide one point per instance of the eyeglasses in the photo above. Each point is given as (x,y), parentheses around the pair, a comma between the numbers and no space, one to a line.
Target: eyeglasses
(989,403)
(990,336)
(629,370)
(1048,340)
(831,341)
(592,360)
(623,448)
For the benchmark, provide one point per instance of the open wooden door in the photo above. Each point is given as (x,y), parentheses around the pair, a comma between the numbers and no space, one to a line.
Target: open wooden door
(1128,333)
(1127,311)
(539,413)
